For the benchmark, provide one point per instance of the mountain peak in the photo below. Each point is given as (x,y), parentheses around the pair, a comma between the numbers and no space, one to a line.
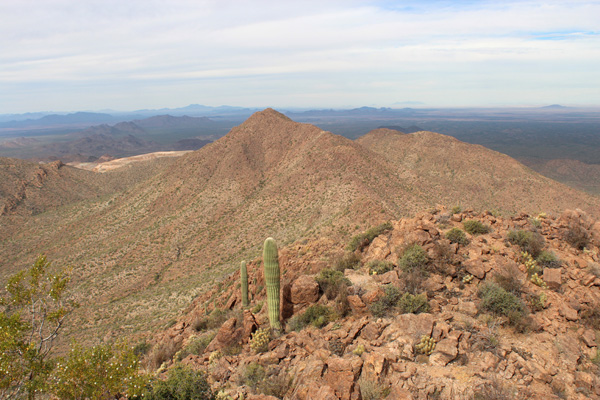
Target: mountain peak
(268,115)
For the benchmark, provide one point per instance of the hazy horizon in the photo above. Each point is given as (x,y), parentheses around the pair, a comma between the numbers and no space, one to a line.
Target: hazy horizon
(64,55)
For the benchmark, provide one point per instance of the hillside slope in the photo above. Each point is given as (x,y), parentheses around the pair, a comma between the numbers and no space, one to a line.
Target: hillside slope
(449,171)
(144,253)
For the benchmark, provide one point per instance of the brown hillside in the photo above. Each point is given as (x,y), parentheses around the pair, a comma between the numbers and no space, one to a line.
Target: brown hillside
(143,254)
(575,173)
(449,171)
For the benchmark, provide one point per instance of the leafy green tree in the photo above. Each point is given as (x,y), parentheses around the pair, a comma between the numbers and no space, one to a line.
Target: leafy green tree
(32,313)
(99,372)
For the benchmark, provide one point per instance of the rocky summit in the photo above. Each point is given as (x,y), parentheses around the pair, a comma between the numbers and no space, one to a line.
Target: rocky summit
(445,305)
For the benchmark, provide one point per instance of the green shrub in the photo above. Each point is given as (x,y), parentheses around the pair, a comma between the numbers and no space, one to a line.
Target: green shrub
(97,372)
(456,209)
(142,348)
(330,281)
(196,345)
(456,235)
(498,301)
(182,384)
(371,390)
(577,237)
(161,353)
(414,257)
(409,303)
(252,375)
(475,227)
(317,315)
(547,259)
(362,240)
(386,304)
(530,242)
(510,282)
(378,267)
(271,383)
(348,261)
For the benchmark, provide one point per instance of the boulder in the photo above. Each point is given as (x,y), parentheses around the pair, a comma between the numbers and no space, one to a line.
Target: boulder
(553,277)
(304,290)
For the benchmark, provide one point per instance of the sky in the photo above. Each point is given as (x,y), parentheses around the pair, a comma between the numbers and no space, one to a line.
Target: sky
(72,55)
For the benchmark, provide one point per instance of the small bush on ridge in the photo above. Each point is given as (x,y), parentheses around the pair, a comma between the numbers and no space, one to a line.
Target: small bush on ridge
(362,240)
(530,242)
(378,267)
(475,227)
(414,257)
(347,261)
(456,235)
(182,384)
(409,303)
(330,281)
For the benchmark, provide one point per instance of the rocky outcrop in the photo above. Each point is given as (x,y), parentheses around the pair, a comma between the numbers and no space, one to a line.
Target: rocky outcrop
(552,354)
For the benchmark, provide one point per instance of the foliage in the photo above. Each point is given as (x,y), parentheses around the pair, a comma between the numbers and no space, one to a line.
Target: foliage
(99,372)
(214,320)
(378,267)
(161,353)
(530,242)
(577,237)
(259,342)
(547,259)
(409,303)
(510,282)
(456,209)
(362,240)
(317,315)
(348,261)
(31,318)
(196,345)
(271,266)
(413,257)
(182,384)
(272,382)
(475,227)
(456,235)
(498,301)
(386,303)
(330,281)
(252,375)
(371,390)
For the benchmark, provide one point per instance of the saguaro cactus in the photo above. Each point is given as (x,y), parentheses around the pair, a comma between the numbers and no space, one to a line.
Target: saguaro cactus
(244,279)
(271,263)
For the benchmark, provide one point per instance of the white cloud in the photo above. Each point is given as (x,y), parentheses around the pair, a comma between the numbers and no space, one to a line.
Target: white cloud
(175,48)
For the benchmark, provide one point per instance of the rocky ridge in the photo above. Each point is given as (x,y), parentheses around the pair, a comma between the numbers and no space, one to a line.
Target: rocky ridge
(552,354)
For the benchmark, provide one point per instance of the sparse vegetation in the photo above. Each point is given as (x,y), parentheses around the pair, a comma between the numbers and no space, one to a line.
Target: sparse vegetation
(547,259)
(331,281)
(347,261)
(386,303)
(577,236)
(182,384)
(530,242)
(371,390)
(498,301)
(475,227)
(317,315)
(413,258)
(378,267)
(362,240)
(409,303)
(456,235)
